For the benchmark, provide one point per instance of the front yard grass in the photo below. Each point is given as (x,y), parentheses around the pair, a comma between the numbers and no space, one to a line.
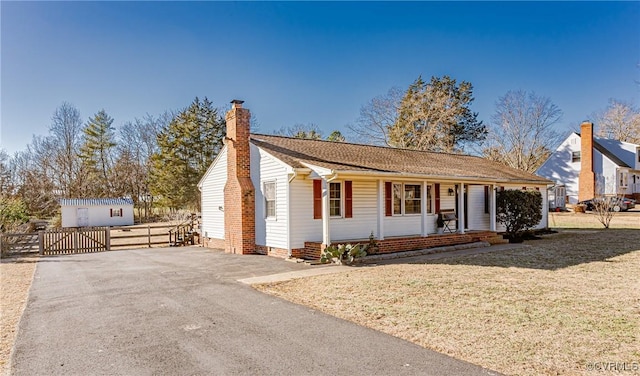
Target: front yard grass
(560,305)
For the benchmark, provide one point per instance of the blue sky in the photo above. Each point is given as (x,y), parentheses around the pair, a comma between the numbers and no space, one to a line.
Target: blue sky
(310,62)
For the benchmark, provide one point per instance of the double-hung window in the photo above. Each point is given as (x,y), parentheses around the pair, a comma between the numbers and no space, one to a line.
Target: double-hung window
(407,199)
(270,199)
(412,198)
(575,156)
(335,199)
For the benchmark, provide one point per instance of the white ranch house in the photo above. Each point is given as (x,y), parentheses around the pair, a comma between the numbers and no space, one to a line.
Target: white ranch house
(291,197)
(90,212)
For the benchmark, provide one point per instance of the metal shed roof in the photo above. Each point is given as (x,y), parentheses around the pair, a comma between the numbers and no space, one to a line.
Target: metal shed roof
(119,201)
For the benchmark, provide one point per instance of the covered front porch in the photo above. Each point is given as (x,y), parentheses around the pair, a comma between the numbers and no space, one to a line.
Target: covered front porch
(313,250)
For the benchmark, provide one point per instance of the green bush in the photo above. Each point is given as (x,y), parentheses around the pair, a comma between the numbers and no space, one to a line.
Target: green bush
(13,213)
(518,211)
(342,254)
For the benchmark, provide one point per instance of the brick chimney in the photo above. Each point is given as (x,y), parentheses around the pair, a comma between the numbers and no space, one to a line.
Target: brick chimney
(587,178)
(239,193)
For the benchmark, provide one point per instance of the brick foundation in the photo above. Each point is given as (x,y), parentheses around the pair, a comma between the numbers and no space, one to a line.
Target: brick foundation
(313,251)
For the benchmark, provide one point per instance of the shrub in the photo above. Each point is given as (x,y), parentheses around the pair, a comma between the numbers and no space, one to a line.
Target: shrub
(13,212)
(343,254)
(518,211)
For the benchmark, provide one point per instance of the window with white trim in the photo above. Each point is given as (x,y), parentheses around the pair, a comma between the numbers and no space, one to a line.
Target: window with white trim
(407,198)
(270,199)
(623,178)
(335,199)
(575,156)
(412,198)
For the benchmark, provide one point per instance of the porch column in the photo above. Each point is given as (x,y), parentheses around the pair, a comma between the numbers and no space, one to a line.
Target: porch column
(326,234)
(492,208)
(380,229)
(423,209)
(461,208)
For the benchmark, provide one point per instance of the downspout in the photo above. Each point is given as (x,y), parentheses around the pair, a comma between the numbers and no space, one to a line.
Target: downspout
(293,176)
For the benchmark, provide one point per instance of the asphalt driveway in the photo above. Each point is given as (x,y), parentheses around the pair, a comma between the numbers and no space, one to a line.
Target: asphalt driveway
(181,311)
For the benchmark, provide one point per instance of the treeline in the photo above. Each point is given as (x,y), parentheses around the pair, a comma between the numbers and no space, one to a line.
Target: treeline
(155,160)
(158,160)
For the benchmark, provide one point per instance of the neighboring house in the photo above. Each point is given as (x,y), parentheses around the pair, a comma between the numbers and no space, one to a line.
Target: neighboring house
(588,166)
(292,197)
(89,212)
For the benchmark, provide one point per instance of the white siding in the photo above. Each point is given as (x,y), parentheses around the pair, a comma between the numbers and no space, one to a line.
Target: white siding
(303,226)
(560,169)
(271,232)
(402,225)
(606,180)
(365,213)
(478,219)
(213,198)
(98,215)
(447,202)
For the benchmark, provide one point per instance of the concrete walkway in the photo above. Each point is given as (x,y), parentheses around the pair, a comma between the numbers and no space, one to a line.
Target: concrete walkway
(182,311)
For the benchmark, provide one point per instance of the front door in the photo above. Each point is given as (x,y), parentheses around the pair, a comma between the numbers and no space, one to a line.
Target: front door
(83,217)
(466,206)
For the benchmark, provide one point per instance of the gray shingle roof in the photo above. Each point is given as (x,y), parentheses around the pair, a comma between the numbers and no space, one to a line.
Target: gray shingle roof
(346,157)
(120,201)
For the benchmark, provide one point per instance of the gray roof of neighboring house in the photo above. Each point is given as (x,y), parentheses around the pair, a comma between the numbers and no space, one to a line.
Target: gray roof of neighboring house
(614,150)
(120,201)
(347,157)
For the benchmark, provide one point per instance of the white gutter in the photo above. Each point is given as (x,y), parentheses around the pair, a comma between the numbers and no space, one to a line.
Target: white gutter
(455,179)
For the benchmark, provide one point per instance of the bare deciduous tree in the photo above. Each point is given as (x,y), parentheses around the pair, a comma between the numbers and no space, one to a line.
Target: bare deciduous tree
(605,206)
(521,134)
(66,130)
(377,117)
(619,121)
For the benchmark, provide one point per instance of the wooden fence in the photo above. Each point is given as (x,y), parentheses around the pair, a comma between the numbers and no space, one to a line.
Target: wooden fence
(94,239)
(19,243)
(140,236)
(74,240)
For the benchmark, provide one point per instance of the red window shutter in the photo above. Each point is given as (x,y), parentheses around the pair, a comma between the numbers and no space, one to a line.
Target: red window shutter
(110,212)
(388,202)
(317,199)
(348,199)
(436,188)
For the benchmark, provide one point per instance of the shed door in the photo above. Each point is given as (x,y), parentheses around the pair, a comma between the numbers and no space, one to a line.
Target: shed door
(83,217)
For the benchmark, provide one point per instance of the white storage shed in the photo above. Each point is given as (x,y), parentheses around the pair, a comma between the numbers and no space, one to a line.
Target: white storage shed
(90,212)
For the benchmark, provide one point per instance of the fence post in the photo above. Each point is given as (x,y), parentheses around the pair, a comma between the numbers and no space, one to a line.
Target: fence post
(107,236)
(41,242)
(75,240)
(149,234)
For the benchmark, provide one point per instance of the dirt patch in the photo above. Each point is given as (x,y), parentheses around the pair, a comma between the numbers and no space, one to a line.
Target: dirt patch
(17,275)
(561,305)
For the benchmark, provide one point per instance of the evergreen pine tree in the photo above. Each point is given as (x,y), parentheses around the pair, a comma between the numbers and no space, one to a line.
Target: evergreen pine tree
(436,116)
(186,149)
(96,153)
